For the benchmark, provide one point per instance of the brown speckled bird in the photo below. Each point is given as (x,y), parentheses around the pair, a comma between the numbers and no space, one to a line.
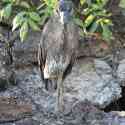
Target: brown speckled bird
(58,47)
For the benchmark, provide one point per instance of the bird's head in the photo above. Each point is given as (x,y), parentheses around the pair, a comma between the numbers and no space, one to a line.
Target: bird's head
(65,10)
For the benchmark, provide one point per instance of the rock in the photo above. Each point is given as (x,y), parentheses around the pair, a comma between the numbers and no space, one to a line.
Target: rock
(11,111)
(34,88)
(78,87)
(25,54)
(7,76)
(27,121)
(100,89)
(93,47)
(121,72)
(102,68)
(90,115)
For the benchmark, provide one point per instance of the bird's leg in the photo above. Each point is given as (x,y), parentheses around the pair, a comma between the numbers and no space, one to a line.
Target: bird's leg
(60,93)
(61,98)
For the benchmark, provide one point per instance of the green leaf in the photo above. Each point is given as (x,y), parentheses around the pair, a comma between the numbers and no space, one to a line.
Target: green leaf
(51,3)
(82,2)
(18,20)
(81,33)
(89,2)
(43,19)
(95,7)
(24,31)
(0,16)
(35,16)
(87,11)
(78,22)
(6,1)
(108,22)
(42,11)
(102,3)
(98,1)
(99,20)
(106,33)
(122,4)
(89,20)
(94,27)
(41,6)
(6,12)
(33,25)
(102,13)
(25,4)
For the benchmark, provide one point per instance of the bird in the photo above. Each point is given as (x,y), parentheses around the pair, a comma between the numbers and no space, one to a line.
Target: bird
(58,47)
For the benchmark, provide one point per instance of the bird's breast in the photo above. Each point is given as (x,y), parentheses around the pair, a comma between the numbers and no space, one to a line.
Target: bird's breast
(55,67)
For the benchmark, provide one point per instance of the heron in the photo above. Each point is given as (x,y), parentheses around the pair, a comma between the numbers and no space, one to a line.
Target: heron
(58,48)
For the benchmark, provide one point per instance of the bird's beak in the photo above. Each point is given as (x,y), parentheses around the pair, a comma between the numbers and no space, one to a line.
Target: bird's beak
(62,17)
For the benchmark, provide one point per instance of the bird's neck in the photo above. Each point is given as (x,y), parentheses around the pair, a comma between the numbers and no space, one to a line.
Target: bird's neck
(65,11)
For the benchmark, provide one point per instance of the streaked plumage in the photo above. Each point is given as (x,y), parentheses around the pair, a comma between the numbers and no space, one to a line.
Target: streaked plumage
(57,51)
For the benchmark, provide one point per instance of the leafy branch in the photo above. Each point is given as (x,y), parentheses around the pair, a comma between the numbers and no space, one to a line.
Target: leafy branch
(23,15)
(26,15)
(93,18)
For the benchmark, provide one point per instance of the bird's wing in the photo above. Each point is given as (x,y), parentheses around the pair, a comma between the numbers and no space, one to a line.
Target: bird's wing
(41,58)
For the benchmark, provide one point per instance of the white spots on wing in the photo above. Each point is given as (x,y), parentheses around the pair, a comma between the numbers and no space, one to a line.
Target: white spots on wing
(54,67)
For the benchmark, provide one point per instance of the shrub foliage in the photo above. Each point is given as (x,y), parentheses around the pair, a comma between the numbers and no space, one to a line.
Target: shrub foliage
(90,15)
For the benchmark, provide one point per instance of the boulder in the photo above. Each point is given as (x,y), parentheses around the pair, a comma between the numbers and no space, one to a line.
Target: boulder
(25,54)
(121,72)
(92,80)
(7,75)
